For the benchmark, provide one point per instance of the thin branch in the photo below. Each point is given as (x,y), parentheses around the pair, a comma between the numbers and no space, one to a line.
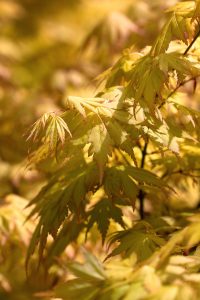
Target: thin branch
(141,194)
(176,88)
(185,81)
(192,43)
(181,172)
(144,152)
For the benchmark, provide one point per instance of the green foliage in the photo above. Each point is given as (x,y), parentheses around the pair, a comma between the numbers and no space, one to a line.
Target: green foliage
(119,165)
(55,129)
(107,211)
(178,26)
(91,278)
(106,128)
(146,282)
(141,240)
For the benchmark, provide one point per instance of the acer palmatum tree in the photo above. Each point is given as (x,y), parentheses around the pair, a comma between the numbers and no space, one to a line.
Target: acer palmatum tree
(125,156)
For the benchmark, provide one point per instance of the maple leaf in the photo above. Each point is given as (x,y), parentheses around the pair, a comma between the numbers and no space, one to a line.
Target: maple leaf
(100,147)
(140,239)
(101,213)
(52,127)
(119,183)
(175,27)
(90,276)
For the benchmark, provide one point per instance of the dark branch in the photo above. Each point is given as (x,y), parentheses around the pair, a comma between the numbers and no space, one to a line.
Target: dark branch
(192,43)
(141,194)
(176,89)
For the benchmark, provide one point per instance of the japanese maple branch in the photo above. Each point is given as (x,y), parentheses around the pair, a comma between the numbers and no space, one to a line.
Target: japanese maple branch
(187,80)
(141,194)
(176,88)
(192,43)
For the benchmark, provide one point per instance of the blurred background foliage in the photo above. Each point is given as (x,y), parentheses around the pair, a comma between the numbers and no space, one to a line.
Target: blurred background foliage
(49,49)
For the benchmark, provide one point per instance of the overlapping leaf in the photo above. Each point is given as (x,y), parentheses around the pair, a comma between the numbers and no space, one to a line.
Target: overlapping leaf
(51,129)
(63,195)
(90,276)
(141,241)
(150,75)
(101,214)
(178,26)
